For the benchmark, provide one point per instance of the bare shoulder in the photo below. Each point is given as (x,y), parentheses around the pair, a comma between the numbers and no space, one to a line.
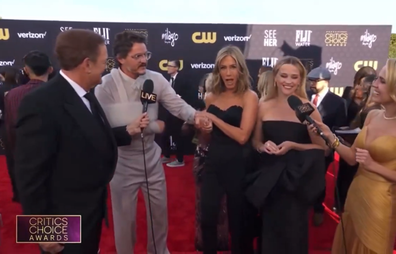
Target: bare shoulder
(210,98)
(372,114)
(265,105)
(250,95)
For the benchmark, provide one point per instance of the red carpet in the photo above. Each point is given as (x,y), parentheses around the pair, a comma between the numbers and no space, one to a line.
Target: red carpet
(181,206)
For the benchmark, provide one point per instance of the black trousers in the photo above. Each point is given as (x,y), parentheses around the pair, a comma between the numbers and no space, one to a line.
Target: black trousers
(217,180)
(9,160)
(91,235)
(345,176)
(318,206)
(173,127)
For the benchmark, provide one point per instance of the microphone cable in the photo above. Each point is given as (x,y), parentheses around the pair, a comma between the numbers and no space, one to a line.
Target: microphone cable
(338,200)
(148,192)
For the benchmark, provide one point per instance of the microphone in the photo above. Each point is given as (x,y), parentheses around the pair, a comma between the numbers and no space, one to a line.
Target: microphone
(147,97)
(303,112)
(146,94)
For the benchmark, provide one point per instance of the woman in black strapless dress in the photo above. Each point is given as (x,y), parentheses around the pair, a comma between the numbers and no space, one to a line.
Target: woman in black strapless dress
(228,123)
(290,176)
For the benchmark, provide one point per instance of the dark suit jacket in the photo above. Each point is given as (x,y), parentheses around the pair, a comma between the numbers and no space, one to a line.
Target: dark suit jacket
(186,89)
(64,159)
(333,110)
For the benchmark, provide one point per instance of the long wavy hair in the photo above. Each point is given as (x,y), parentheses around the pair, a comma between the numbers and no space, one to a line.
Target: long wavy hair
(272,89)
(243,82)
(391,77)
(266,79)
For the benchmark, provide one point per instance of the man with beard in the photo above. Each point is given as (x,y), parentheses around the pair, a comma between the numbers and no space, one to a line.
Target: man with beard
(119,95)
(332,108)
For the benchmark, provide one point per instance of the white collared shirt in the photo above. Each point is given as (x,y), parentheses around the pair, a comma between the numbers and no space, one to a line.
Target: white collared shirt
(174,78)
(322,94)
(79,90)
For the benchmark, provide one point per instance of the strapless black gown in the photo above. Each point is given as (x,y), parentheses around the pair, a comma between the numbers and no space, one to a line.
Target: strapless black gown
(284,189)
(224,173)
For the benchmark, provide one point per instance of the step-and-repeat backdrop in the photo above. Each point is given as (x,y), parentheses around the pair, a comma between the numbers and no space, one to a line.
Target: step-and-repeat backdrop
(340,49)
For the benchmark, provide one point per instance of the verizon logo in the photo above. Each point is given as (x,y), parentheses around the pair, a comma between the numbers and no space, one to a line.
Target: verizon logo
(202,66)
(237,38)
(30,35)
(7,63)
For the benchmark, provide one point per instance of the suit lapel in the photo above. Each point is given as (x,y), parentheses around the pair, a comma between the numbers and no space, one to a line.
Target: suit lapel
(76,108)
(106,122)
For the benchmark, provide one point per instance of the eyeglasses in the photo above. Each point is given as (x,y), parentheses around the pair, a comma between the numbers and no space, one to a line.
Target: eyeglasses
(146,55)
(171,66)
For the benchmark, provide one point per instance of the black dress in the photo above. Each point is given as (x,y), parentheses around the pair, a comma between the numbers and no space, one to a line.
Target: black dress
(224,173)
(284,189)
(223,238)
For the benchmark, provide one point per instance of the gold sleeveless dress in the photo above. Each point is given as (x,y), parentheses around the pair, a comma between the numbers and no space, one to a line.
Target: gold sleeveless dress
(370,209)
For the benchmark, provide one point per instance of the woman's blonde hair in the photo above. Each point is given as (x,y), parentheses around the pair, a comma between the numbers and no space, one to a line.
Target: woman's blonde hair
(243,83)
(272,90)
(209,83)
(391,77)
(266,80)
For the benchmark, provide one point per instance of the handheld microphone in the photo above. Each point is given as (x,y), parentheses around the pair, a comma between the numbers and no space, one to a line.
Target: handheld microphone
(303,112)
(146,94)
(147,97)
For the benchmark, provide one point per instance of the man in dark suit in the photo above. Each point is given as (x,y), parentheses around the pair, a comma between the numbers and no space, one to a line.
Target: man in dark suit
(332,108)
(66,151)
(173,125)
(37,68)
(10,80)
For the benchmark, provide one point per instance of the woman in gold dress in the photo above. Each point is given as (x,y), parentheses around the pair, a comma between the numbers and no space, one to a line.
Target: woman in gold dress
(368,222)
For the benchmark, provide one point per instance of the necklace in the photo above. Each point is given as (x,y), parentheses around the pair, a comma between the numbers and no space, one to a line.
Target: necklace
(388,118)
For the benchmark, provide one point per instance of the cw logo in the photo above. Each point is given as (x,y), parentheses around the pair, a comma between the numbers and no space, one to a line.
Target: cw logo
(4,34)
(204,37)
(337,90)
(164,63)
(362,63)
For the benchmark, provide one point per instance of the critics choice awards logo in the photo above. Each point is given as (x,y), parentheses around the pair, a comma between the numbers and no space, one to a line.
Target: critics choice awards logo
(336,38)
(48,228)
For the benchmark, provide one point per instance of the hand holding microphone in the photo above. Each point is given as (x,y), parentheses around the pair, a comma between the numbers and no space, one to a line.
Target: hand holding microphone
(138,124)
(318,127)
